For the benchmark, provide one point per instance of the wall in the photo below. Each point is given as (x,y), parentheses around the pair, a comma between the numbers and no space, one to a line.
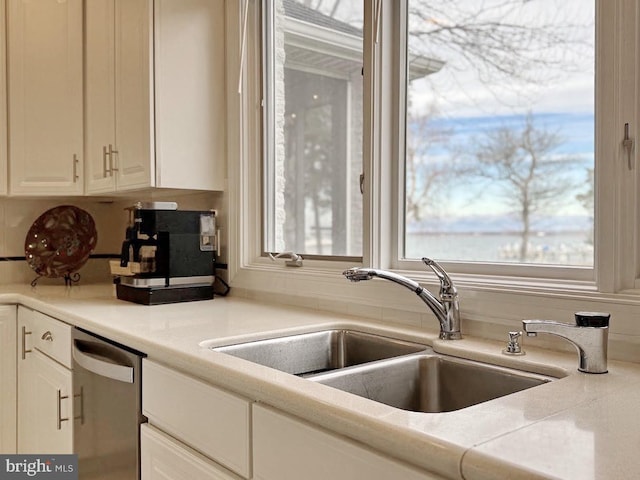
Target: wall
(17,216)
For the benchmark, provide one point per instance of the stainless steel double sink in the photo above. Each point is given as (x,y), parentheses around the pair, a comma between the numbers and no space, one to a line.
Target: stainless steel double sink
(402,374)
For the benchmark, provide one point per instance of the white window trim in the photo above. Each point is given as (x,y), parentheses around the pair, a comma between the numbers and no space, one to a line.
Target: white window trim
(616,231)
(616,191)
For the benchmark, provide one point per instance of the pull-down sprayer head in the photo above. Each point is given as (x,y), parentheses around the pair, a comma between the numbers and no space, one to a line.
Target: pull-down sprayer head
(356,274)
(445,308)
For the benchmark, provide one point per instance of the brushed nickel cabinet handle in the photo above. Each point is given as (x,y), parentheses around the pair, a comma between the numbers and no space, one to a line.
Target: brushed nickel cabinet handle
(24,342)
(114,168)
(47,336)
(60,419)
(106,162)
(75,168)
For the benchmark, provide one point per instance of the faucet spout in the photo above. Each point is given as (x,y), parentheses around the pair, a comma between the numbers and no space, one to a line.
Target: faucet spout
(589,335)
(446,309)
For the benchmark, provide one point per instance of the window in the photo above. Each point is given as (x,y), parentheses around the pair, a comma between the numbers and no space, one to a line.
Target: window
(496,154)
(500,132)
(313,203)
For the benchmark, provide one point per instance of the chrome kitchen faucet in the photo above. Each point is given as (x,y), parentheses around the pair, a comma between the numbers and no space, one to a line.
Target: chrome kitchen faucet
(446,308)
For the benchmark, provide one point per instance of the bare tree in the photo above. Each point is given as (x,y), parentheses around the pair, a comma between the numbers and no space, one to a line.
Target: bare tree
(521,163)
(490,39)
(424,174)
(587,200)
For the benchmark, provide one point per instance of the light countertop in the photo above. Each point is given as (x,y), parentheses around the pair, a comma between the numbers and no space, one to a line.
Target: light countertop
(580,427)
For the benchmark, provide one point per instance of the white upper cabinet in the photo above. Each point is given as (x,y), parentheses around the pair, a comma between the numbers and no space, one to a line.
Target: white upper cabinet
(190,94)
(100,91)
(155,100)
(3,104)
(45,102)
(119,91)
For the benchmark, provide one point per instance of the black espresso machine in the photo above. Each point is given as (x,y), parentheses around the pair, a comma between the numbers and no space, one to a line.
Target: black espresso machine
(168,255)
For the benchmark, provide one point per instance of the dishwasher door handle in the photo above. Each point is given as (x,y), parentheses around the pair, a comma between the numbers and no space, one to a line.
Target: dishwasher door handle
(105,368)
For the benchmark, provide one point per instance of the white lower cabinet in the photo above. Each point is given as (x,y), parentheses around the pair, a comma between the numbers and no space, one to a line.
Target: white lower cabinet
(45,384)
(198,431)
(208,419)
(46,413)
(163,458)
(8,405)
(285,448)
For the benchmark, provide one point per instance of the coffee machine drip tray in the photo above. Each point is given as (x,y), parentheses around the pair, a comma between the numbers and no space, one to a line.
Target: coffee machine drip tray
(154,291)
(141,282)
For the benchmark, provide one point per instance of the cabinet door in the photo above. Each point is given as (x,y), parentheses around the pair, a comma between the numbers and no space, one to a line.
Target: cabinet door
(8,378)
(45,96)
(288,449)
(190,94)
(134,161)
(175,403)
(3,105)
(162,458)
(45,409)
(100,95)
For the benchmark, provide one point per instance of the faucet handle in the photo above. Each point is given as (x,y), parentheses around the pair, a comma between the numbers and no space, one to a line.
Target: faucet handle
(446,284)
(592,319)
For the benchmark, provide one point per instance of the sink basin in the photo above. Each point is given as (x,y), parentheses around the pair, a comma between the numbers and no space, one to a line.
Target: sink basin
(311,353)
(430,382)
(402,374)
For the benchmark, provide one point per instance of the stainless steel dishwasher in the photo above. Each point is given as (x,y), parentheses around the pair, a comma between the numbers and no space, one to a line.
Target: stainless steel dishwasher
(107,386)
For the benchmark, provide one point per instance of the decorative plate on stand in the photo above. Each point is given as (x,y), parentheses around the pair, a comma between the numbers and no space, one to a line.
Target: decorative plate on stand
(59,242)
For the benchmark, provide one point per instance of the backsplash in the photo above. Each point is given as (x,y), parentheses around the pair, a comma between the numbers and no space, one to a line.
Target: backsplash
(17,216)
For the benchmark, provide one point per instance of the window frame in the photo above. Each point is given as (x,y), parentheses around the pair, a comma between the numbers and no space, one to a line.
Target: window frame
(472,271)
(616,83)
(616,192)
(269,104)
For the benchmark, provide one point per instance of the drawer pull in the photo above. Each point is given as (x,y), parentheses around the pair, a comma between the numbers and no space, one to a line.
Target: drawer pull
(24,342)
(47,336)
(60,419)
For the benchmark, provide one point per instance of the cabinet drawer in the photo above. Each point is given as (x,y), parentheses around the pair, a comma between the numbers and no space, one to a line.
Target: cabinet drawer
(164,458)
(285,448)
(206,418)
(52,337)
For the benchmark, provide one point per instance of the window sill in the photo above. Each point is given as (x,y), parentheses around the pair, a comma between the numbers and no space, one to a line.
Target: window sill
(324,269)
